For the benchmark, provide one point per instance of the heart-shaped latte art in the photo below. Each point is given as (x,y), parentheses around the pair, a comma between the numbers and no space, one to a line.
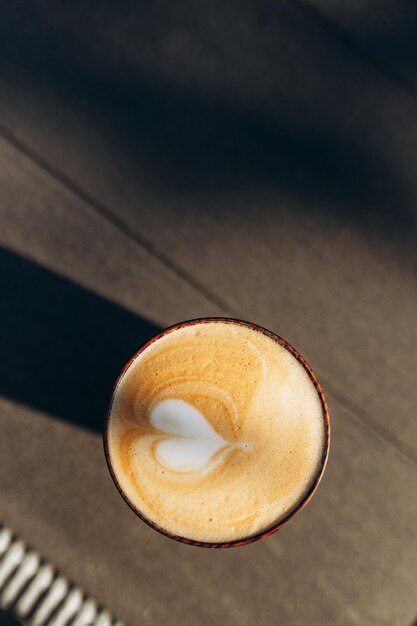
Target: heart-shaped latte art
(194,441)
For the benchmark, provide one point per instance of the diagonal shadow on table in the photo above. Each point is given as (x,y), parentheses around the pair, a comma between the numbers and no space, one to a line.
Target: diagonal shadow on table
(191,133)
(62,346)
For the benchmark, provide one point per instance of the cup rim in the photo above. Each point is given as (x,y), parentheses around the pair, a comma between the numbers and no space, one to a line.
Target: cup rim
(323,462)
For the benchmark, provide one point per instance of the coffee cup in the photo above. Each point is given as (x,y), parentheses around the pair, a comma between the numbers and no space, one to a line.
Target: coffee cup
(217,432)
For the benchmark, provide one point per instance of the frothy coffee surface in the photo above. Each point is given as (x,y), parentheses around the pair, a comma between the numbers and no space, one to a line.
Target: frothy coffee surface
(216,432)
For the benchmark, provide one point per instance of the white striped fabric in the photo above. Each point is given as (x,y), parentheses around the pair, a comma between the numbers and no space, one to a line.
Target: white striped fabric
(34,592)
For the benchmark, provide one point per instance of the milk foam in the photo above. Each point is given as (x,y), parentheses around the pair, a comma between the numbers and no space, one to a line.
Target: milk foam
(216,431)
(193,443)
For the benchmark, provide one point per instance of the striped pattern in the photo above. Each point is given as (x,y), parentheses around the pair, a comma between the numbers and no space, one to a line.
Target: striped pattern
(36,593)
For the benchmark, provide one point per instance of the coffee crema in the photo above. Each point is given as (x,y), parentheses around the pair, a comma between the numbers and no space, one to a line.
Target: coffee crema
(216,432)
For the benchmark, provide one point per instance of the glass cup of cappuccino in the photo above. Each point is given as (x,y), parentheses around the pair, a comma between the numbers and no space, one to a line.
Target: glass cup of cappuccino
(217,432)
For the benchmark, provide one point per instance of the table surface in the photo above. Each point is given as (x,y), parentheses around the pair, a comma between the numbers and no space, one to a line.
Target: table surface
(248,160)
